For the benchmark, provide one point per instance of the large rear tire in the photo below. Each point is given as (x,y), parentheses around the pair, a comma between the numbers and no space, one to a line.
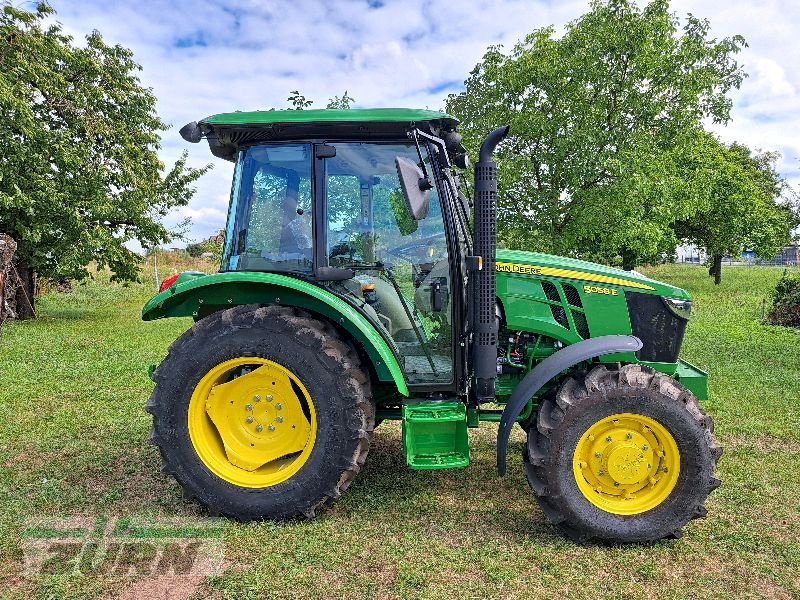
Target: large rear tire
(262,412)
(622,455)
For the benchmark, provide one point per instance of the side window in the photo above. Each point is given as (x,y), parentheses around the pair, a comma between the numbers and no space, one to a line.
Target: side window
(272,216)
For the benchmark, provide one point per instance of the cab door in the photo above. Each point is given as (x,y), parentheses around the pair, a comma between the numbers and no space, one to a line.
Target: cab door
(402,265)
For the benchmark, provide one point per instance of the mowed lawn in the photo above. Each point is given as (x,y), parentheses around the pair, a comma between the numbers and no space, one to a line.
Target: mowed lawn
(73,441)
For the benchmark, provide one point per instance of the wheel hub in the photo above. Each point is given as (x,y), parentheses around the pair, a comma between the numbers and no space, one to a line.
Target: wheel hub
(259,418)
(626,463)
(252,422)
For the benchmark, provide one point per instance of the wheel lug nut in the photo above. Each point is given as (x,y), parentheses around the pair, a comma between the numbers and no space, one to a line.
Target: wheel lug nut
(269,397)
(597,455)
(249,419)
(616,484)
(271,427)
(645,447)
(608,439)
(601,473)
(278,406)
(248,407)
(629,436)
(257,398)
(259,428)
(279,419)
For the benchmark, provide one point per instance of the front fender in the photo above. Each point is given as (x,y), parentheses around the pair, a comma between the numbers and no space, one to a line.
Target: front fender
(191,297)
(545,371)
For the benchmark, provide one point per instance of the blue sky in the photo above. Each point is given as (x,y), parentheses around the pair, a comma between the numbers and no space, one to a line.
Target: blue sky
(203,57)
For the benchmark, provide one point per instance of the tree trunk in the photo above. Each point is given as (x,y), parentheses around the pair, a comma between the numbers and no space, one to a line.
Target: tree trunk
(715,270)
(19,283)
(26,291)
(628,259)
(7,249)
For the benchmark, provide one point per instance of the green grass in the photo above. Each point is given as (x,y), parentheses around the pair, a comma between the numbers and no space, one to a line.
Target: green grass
(73,442)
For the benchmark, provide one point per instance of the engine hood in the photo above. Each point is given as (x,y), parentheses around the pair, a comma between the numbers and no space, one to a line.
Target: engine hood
(516,263)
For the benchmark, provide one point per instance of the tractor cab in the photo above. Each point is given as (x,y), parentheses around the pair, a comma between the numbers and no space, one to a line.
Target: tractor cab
(336,212)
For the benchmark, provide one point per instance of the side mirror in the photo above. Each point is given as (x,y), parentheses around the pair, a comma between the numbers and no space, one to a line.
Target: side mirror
(416,187)
(191,132)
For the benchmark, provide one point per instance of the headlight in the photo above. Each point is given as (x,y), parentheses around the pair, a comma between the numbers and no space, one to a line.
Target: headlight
(680,308)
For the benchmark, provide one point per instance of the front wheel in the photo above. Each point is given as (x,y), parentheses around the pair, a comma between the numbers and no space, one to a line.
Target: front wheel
(623,455)
(262,412)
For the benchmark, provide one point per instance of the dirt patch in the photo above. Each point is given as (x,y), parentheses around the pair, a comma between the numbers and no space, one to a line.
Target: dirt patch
(763,443)
(166,587)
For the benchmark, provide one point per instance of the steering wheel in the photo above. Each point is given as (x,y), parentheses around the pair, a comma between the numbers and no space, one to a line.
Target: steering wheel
(425,242)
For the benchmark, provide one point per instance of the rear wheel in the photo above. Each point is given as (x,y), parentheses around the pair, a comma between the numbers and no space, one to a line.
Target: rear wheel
(622,455)
(262,412)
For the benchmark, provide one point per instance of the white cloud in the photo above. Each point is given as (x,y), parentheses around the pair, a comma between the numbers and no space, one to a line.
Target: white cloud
(203,57)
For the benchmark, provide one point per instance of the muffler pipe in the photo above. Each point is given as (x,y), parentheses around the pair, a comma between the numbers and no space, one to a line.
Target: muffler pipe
(484,325)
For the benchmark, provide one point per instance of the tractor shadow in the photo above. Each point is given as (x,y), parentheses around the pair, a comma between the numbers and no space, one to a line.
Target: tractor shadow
(438,503)
(475,497)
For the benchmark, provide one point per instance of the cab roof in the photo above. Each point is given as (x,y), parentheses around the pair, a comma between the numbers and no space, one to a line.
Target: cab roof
(354,115)
(227,133)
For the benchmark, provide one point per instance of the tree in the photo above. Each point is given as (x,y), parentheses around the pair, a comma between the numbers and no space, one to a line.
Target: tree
(597,119)
(79,175)
(741,206)
(211,245)
(342,102)
(300,102)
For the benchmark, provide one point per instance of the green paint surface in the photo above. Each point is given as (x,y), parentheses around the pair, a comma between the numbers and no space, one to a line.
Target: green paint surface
(355,115)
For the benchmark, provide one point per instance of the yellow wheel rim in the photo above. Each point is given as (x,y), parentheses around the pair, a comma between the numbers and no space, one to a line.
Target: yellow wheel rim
(252,422)
(626,464)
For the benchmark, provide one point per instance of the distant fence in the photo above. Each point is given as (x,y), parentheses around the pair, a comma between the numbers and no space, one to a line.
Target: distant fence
(759,262)
(780,260)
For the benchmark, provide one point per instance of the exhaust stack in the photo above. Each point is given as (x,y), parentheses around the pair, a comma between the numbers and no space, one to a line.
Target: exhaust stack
(484,321)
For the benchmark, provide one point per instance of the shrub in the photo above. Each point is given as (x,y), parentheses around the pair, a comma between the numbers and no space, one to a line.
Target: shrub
(206,246)
(786,301)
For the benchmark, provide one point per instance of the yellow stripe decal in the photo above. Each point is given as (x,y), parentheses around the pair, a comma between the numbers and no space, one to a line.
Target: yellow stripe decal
(566,273)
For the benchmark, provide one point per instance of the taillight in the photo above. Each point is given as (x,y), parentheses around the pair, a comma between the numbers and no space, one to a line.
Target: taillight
(168,281)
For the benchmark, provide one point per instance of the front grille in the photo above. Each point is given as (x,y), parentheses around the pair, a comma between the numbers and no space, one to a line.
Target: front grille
(581,326)
(550,291)
(573,297)
(660,330)
(560,315)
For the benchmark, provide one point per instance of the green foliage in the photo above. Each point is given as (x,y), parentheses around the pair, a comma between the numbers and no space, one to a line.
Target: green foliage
(405,220)
(298,100)
(80,175)
(786,301)
(343,102)
(598,119)
(210,245)
(738,200)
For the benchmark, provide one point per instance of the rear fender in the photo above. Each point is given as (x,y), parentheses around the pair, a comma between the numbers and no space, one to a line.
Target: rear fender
(196,296)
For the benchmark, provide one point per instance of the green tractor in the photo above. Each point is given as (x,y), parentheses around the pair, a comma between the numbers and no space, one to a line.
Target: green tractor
(360,283)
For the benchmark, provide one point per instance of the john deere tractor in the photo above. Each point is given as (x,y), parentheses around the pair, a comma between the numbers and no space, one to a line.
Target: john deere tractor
(360,282)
